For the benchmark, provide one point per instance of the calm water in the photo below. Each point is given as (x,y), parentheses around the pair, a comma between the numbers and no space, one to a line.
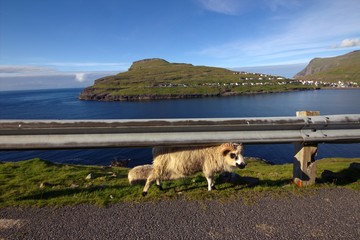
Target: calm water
(63,104)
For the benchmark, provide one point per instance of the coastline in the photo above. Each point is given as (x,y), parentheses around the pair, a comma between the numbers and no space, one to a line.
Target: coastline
(339,88)
(88,95)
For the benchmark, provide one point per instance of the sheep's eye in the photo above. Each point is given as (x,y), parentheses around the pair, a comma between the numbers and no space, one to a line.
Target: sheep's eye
(233,155)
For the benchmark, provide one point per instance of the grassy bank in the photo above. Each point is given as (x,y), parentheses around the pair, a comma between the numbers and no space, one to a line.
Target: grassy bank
(40,183)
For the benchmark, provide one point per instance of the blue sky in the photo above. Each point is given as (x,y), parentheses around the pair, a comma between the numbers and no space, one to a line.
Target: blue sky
(69,43)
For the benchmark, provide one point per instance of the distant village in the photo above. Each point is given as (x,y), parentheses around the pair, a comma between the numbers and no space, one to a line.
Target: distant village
(259,79)
(339,84)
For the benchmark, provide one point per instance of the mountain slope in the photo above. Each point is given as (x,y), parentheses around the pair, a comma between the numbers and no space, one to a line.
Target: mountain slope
(341,68)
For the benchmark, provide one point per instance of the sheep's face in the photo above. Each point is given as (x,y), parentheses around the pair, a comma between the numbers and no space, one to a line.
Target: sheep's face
(233,156)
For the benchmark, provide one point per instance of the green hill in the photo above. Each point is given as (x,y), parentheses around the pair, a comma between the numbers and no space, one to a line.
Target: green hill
(158,79)
(341,68)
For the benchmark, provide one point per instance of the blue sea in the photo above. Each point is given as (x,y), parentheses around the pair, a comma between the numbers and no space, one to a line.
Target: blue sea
(63,104)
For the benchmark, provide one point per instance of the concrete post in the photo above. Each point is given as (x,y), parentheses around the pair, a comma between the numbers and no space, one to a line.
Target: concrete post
(304,169)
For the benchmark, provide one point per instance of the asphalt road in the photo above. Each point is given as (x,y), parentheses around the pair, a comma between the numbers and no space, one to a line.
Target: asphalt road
(325,214)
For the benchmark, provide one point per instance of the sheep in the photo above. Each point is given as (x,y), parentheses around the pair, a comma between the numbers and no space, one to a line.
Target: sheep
(139,174)
(177,162)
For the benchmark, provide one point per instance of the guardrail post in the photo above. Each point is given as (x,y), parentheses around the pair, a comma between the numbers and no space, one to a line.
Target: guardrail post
(304,169)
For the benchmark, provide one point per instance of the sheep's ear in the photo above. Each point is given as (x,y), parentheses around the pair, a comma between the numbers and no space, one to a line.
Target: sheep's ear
(238,145)
(225,152)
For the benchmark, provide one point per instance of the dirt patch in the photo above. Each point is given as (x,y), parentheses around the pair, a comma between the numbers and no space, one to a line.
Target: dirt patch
(10,223)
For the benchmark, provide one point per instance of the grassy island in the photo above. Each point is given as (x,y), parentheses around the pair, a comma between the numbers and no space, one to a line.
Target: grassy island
(158,79)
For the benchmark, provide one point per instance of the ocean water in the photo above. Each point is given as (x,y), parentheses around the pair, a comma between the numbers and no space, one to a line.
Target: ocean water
(63,104)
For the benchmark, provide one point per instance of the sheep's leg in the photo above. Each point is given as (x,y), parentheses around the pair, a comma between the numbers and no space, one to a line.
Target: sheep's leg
(211,183)
(148,183)
(158,183)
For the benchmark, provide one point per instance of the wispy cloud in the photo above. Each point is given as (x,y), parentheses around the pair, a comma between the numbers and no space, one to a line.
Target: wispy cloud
(16,71)
(236,7)
(229,7)
(62,68)
(287,70)
(88,66)
(19,69)
(278,4)
(85,64)
(301,38)
(14,77)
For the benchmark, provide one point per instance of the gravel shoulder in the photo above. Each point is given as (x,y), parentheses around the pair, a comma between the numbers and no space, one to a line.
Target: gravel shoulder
(331,213)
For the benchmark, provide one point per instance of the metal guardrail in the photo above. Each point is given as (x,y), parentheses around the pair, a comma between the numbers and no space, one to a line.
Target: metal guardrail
(66,134)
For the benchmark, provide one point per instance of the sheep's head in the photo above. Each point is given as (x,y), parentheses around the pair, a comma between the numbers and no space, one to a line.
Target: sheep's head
(232,152)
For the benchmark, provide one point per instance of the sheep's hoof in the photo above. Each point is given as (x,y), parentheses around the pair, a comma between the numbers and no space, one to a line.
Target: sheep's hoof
(160,187)
(213,188)
(144,194)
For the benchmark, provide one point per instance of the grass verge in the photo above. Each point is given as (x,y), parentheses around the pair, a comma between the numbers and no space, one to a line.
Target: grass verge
(41,183)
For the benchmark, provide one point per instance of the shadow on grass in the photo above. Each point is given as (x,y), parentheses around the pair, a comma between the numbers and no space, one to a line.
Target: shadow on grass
(340,178)
(343,177)
(168,186)
(254,182)
(237,184)
(68,192)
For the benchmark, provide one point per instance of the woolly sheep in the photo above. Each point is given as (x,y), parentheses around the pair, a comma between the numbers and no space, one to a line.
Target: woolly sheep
(139,174)
(177,162)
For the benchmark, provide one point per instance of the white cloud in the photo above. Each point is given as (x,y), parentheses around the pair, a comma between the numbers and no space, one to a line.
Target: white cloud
(80,77)
(348,43)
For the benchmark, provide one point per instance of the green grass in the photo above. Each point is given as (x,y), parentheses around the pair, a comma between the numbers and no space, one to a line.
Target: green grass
(67,184)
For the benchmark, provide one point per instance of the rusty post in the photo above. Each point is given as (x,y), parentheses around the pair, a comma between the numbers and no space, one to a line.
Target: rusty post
(304,169)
